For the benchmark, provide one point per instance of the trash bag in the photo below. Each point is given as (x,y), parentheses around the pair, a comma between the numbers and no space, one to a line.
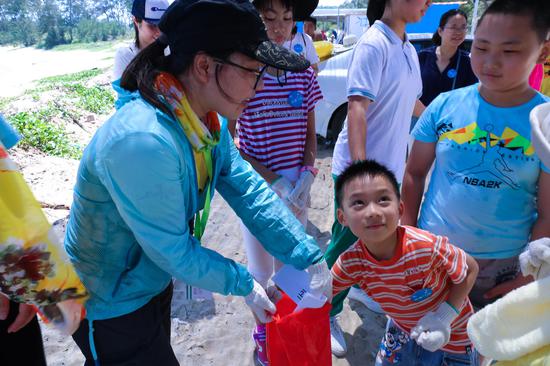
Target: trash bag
(34,267)
(299,338)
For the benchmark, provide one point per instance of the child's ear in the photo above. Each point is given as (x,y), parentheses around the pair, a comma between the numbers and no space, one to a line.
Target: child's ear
(341,217)
(401,208)
(544,53)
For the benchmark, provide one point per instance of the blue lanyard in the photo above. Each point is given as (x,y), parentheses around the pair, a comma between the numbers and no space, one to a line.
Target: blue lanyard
(457,68)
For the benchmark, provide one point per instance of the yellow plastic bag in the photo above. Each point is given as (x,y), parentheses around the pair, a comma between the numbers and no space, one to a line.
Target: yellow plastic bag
(34,267)
(323,49)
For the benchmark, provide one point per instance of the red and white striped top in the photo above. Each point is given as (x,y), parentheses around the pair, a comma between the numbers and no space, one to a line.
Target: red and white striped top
(272,128)
(422,260)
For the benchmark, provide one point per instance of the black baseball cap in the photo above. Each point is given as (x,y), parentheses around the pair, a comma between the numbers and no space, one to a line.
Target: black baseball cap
(149,10)
(217,25)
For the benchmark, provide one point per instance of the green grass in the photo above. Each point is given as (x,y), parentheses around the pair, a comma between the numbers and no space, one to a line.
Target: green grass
(38,131)
(71,97)
(92,46)
(81,76)
(95,99)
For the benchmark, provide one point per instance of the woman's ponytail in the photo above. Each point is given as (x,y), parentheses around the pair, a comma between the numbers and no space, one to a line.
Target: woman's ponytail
(375,10)
(140,74)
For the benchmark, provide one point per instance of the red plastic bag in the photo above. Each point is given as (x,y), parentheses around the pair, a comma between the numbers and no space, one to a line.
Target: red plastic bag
(301,338)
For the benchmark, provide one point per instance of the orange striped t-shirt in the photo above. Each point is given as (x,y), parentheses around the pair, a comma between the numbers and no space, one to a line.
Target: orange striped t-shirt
(421,260)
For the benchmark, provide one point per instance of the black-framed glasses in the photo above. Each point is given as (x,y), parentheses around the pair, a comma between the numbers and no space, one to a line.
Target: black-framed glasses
(258,72)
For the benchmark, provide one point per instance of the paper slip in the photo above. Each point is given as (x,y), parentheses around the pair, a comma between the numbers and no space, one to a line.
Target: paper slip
(295,284)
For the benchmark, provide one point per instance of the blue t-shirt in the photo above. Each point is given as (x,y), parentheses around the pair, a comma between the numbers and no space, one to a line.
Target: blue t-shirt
(8,136)
(484,185)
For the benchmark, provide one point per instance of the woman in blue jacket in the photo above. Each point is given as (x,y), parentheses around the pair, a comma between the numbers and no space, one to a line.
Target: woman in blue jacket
(154,165)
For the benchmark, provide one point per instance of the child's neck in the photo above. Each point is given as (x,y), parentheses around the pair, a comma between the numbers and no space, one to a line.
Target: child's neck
(384,250)
(508,98)
(396,25)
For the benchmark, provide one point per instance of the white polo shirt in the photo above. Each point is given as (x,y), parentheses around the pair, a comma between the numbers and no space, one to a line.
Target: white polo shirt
(123,56)
(302,44)
(384,69)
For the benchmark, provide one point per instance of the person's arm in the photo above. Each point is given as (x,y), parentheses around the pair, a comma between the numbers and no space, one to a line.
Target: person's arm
(266,173)
(341,278)
(310,150)
(315,68)
(541,229)
(143,174)
(363,84)
(420,160)
(459,291)
(261,210)
(357,126)
(269,175)
(419,108)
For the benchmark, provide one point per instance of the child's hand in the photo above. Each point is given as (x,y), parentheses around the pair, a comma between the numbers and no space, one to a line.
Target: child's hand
(433,330)
(320,279)
(25,315)
(299,196)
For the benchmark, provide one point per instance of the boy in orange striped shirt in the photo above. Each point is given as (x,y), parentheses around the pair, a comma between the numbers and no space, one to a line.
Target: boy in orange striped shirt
(419,279)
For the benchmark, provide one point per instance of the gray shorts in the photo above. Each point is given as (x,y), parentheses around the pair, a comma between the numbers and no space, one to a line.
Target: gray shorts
(491,273)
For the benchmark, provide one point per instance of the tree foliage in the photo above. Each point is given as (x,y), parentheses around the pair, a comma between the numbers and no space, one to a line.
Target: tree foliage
(48,23)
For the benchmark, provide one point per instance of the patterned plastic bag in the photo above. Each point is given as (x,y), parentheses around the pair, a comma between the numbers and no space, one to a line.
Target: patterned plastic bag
(34,267)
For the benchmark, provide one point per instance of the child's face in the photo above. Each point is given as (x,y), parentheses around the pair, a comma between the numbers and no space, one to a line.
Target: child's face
(147,33)
(278,22)
(412,10)
(371,209)
(505,51)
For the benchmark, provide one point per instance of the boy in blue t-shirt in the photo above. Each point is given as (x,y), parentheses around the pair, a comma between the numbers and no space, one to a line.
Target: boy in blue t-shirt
(489,190)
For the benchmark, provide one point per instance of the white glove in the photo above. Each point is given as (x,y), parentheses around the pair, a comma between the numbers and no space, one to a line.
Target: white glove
(259,303)
(433,330)
(282,187)
(535,260)
(320,279)
(299,196)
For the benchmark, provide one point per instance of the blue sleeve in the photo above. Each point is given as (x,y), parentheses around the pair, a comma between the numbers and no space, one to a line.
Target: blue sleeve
(143,175)
(425,129)
(8,136)
(263,213)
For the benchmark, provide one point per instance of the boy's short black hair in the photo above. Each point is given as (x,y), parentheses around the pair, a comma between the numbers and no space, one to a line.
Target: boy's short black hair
(369,168)
(538,10)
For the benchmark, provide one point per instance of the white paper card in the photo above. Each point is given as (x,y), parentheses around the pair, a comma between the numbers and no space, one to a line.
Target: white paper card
(295,284)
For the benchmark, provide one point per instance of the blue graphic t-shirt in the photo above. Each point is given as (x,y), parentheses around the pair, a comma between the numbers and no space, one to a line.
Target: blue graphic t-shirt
(8,136)
(484,183)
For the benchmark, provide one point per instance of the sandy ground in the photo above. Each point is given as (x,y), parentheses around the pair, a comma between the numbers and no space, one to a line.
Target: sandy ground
(210,330)
(20,66)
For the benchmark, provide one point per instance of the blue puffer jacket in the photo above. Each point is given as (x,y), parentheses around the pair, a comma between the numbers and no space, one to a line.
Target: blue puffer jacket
(136,192)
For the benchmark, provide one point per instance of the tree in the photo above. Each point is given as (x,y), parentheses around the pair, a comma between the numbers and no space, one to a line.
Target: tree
(50,24)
